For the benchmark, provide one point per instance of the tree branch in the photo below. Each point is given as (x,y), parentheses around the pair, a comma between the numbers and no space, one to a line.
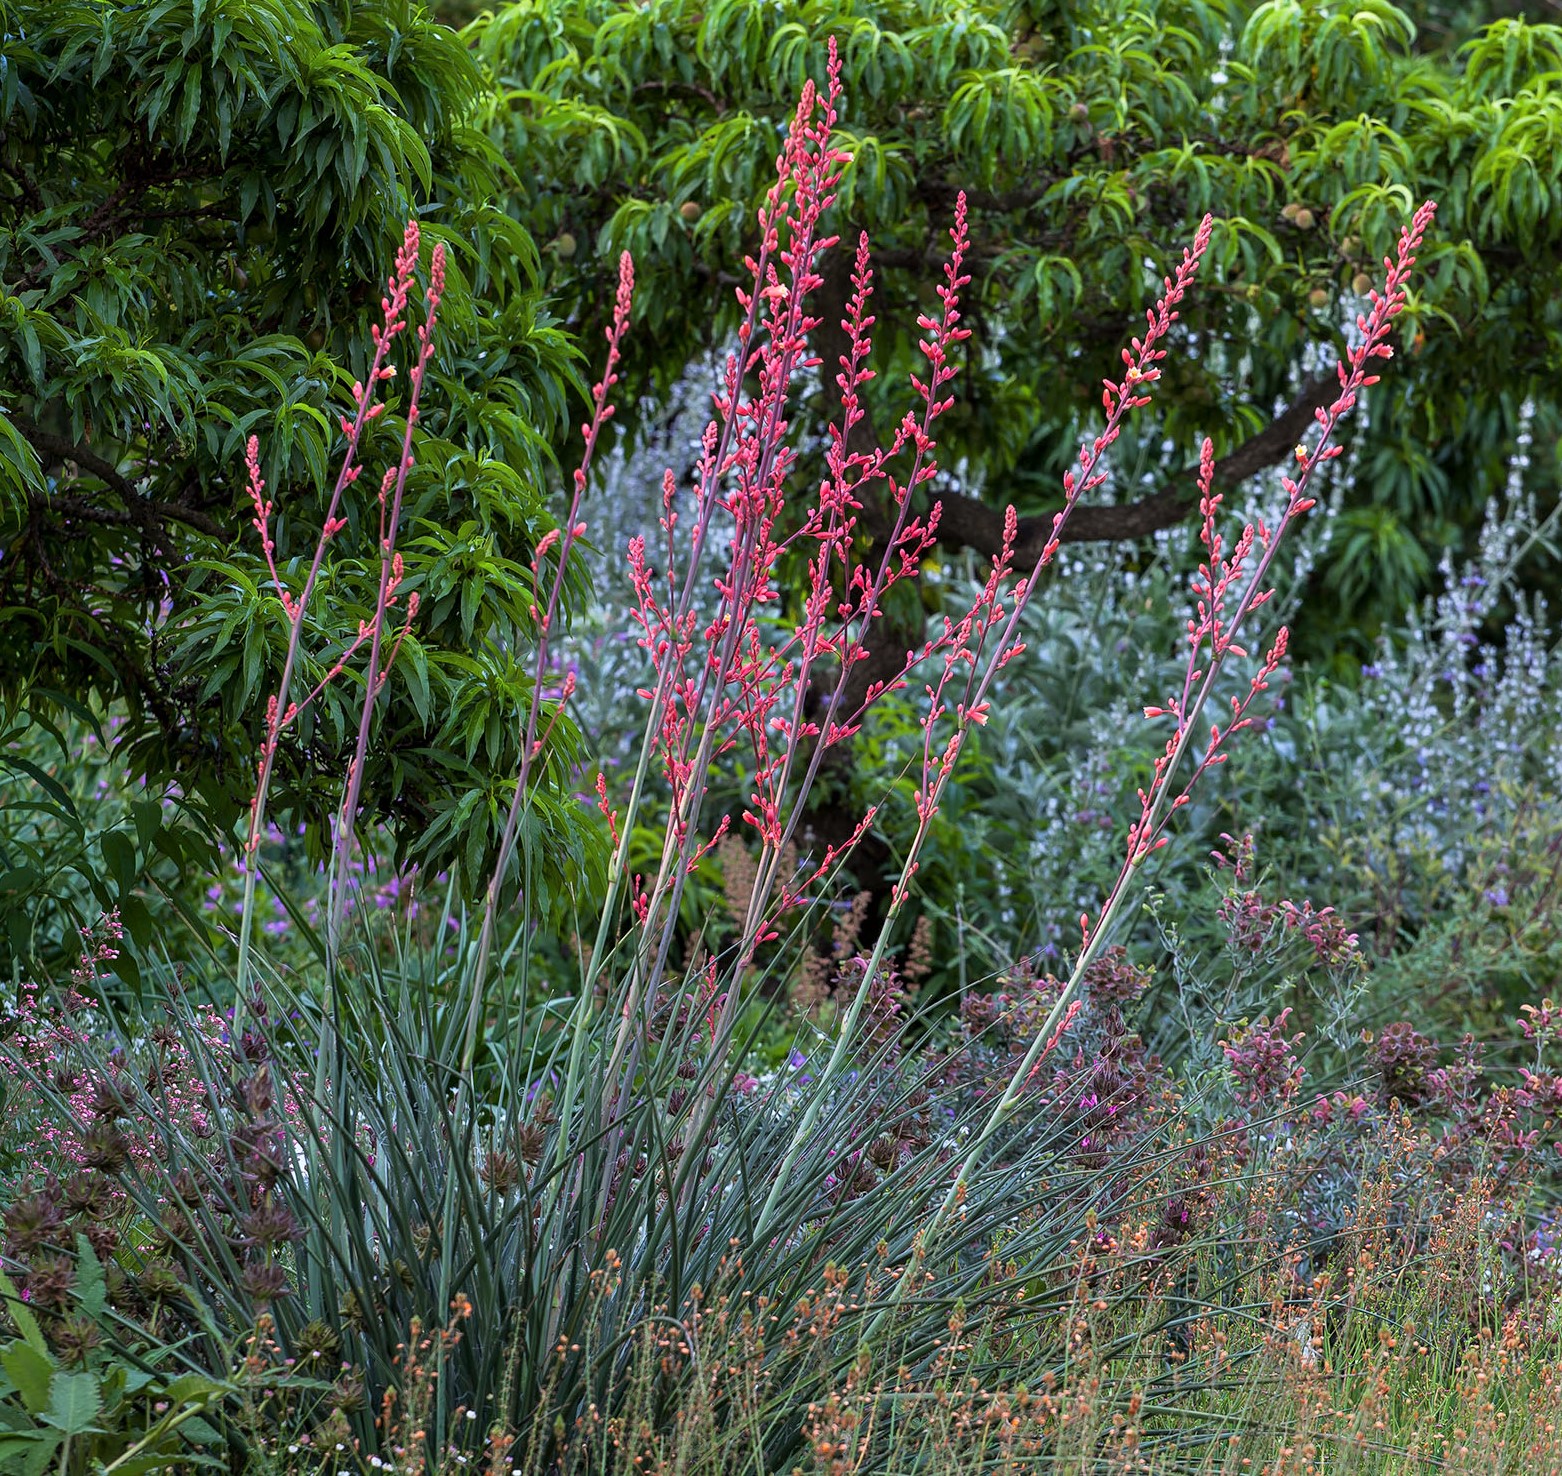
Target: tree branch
(716,104)
(139,512)
(61,449)
(968,522)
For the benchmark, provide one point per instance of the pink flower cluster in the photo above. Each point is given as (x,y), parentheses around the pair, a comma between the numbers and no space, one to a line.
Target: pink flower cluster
(1254,924)
(92,1098)
(1263,1064)
(734,679)
(1103,1085)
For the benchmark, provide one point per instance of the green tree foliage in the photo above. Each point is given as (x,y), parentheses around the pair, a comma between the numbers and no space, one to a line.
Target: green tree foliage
(196,200)
(1092,137)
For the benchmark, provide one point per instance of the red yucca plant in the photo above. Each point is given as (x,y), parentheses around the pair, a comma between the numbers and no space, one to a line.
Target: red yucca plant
(614,1138)
(732,676)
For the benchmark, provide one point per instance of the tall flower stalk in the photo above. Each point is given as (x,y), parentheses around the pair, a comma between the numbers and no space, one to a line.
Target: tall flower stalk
(393,486)
(1228,589)
(281,710)
(735,679)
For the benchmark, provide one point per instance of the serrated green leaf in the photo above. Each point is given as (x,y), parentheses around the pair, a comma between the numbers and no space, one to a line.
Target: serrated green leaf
(31,1370)
(91,1289)
(74,1403)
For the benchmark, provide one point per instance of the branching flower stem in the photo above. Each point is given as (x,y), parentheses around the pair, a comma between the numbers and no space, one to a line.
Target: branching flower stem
(807,172)
(280,712)
(385,598)
(1158,804)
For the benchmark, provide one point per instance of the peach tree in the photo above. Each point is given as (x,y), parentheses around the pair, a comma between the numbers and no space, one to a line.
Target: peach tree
(196,199)
(1088,136)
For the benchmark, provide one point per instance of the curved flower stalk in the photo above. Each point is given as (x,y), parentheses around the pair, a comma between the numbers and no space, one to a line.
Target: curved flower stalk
(281,712)
(1228,588)
(732,428)
(394,483)
(722,680)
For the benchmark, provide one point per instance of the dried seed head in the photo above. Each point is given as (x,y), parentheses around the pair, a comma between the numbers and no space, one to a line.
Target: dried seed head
(500,1172)
(158,1281)
(75,1337)
(316,1344)
(47,1283)
(270,1223)
(32,1223)
(104,1147)
(264,1281)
